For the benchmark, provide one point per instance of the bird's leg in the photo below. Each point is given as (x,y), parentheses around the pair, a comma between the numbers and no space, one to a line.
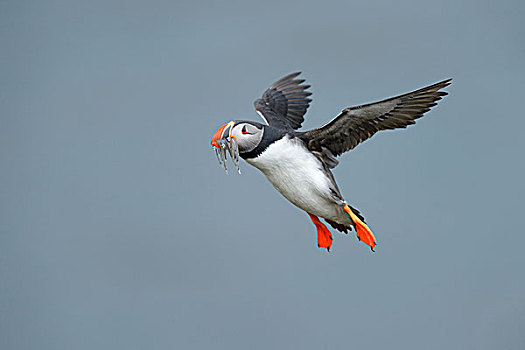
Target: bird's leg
(364,233)
(324,237)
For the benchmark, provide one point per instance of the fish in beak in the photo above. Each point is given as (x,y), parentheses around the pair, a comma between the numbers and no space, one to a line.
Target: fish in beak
(223,141)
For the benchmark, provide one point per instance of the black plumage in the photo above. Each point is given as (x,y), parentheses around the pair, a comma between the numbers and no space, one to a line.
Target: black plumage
(284,104)
(357,124)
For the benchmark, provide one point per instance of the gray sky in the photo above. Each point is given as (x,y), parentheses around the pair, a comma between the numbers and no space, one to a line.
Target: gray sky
(119,230)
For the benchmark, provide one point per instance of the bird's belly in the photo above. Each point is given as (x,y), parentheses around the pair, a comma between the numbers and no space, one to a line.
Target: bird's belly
(299,176)
(305,194)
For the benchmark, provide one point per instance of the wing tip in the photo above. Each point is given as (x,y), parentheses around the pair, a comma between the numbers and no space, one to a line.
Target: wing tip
(444,83)
(288,77)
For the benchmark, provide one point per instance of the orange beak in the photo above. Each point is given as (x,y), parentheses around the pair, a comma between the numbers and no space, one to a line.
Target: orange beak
(222,133)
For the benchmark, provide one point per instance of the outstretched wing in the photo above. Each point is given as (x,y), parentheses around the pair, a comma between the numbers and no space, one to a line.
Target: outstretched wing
(357,124)
(284,104)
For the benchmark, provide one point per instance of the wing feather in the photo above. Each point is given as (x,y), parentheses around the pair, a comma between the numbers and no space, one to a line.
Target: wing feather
(285,102)
(357,124)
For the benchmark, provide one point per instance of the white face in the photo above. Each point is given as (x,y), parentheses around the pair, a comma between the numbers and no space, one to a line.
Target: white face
(248,136)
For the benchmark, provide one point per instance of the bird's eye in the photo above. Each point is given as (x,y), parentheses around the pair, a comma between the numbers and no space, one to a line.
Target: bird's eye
(244,131)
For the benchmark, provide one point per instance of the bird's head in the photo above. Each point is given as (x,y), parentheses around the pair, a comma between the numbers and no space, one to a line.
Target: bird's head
(236,137)
(247,134)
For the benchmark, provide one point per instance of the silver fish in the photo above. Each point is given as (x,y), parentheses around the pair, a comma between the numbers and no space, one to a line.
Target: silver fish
(223,155)
(230,145)
(218,154)
(234,153)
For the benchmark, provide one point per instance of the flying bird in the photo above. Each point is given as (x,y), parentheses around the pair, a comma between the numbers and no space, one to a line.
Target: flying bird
(298,163)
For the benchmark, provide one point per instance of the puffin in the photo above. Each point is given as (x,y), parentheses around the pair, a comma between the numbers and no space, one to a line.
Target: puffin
(298,163)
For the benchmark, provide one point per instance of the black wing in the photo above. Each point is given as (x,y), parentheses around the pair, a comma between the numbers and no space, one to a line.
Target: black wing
(357,124)
(284,104)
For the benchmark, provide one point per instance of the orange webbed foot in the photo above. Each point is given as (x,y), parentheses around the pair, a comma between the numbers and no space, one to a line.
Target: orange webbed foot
(324,237)
(364,234)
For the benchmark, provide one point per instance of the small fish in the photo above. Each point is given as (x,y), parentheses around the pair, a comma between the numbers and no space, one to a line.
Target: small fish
(223,156)
(234,153)
(230,145)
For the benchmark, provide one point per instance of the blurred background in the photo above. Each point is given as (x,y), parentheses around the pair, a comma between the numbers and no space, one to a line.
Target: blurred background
(119,229)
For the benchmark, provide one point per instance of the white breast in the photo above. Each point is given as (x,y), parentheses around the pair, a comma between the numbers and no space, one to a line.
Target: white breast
(298,175)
